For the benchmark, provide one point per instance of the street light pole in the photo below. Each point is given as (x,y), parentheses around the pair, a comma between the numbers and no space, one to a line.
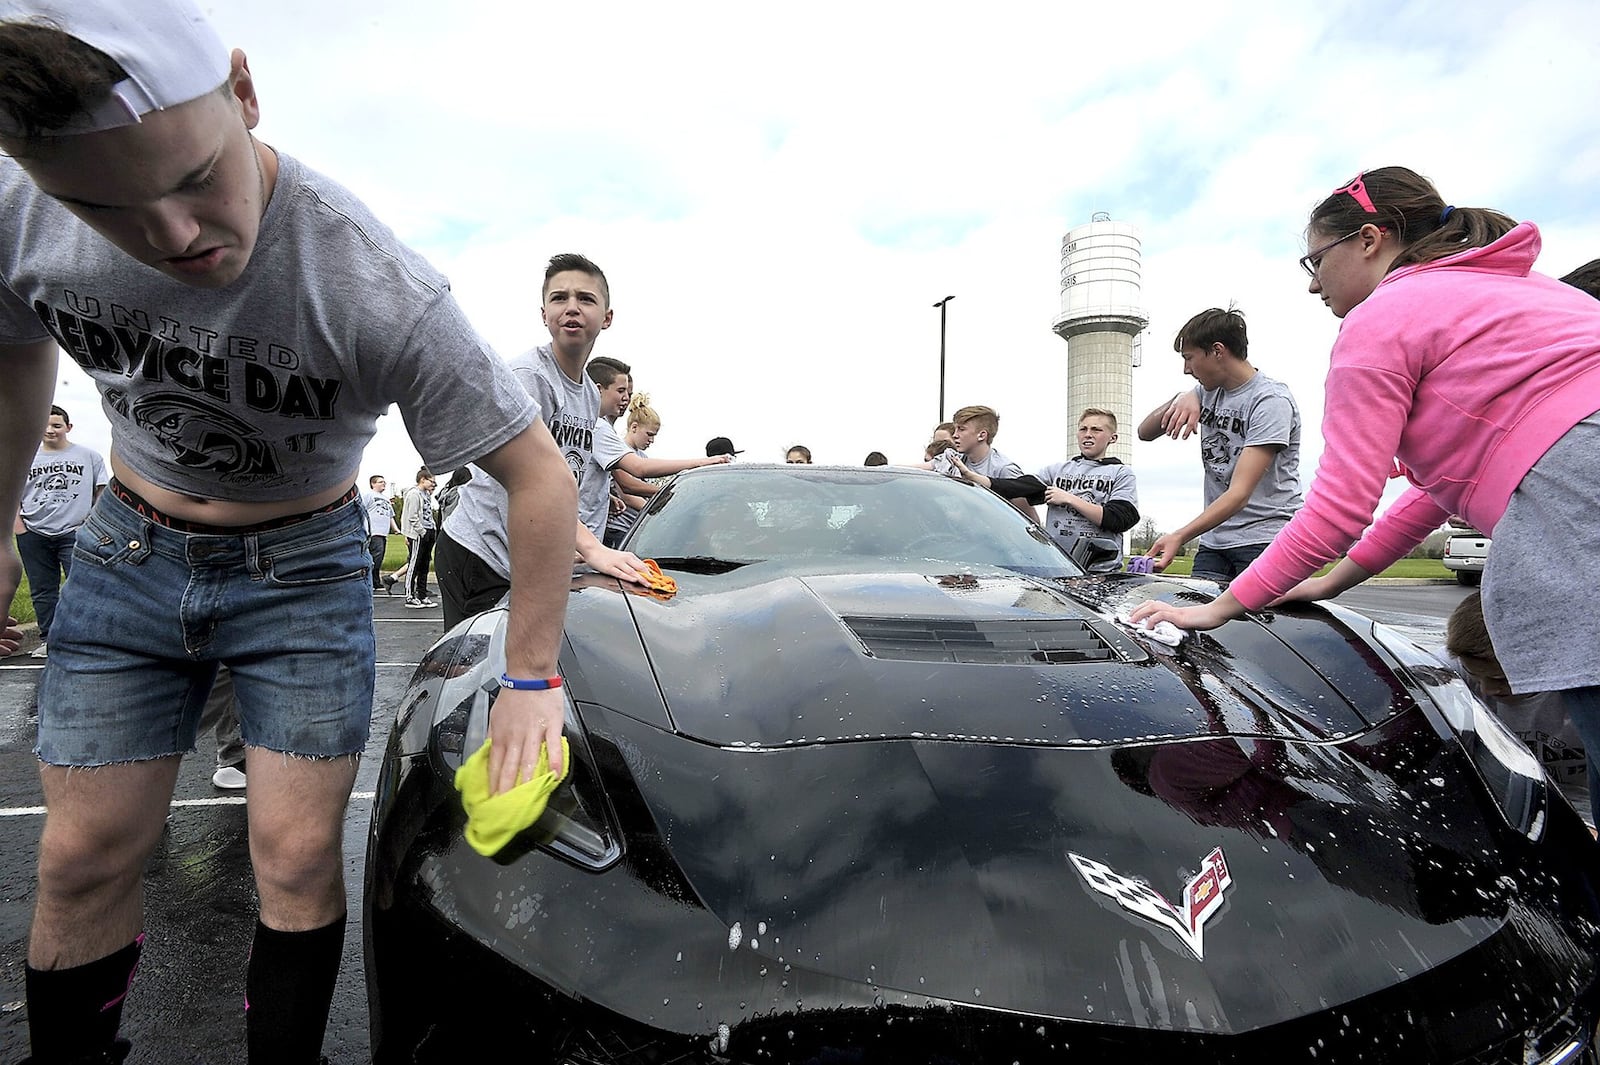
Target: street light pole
(940,305)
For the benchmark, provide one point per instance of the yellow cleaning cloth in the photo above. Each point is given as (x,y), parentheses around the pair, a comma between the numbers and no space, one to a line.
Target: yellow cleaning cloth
(492,820)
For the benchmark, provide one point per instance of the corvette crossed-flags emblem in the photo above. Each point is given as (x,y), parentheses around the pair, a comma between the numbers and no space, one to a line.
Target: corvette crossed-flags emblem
(1202,896)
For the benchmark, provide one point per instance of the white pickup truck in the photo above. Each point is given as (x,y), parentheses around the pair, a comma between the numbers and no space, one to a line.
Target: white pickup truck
(1466,551)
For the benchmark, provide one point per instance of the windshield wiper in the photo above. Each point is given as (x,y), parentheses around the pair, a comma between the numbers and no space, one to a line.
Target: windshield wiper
(703,563)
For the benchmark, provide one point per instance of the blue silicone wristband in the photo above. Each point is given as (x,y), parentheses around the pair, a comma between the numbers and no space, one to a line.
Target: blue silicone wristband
(529,685)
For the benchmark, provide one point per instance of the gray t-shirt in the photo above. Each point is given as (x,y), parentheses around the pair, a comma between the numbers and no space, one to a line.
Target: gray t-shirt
(624,520)
(1260,412)
(994,464)
(267,389)
(594,492)
(380,513)
(1099,481)
(570,408)
(60,489)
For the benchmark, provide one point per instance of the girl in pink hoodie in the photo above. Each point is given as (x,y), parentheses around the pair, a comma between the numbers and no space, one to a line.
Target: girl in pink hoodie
(1483,379)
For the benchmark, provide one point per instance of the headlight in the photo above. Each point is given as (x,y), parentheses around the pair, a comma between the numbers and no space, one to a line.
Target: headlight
(576,824)
(445,717)
(1513,775)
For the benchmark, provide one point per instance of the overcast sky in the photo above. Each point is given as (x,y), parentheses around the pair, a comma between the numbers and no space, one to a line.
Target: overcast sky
(779,193)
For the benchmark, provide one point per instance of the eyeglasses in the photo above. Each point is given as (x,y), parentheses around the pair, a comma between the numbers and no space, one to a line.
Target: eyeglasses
(1358,192)
(1311,261)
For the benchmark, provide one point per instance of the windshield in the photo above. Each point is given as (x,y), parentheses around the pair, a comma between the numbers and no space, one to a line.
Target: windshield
(808,514)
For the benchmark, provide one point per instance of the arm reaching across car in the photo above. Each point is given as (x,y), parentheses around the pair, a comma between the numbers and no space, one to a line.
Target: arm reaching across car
(542,494)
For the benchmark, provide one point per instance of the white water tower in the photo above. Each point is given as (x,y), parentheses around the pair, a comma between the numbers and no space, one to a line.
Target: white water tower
(1101,319)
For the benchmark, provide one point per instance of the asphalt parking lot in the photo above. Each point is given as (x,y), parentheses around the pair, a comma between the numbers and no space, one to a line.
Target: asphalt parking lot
(187,1003)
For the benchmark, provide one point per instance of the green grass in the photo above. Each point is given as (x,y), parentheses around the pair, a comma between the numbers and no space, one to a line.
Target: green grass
(1406,567)
(22,606)
(1419,567)
(394,556)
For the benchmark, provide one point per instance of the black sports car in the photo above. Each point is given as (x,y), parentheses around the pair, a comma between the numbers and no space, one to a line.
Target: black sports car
(886,781)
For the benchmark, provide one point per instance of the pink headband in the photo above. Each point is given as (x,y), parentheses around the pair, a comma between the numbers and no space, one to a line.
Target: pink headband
(1358,192)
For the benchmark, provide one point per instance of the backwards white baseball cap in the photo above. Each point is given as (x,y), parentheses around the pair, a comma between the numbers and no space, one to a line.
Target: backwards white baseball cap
(168,50)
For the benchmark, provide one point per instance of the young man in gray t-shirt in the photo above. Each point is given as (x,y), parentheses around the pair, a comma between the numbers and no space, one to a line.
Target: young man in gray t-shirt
(470,558)
(972,457)
(63,482)
(613,462)
(380,523)
(472,555)
(1249,430)
(1091,497)
(247,321)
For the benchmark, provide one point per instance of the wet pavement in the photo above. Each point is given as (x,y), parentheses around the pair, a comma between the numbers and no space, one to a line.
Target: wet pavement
(1417,609)
(187,1004)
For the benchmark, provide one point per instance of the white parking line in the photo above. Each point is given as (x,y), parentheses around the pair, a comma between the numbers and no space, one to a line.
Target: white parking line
(221,800)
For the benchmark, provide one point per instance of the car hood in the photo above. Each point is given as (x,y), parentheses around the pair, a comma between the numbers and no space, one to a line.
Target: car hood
(1167,839)
(1052,881)
(762,660)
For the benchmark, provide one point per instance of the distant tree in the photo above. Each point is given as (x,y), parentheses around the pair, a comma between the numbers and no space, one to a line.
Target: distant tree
(1433,546)
(1143,536)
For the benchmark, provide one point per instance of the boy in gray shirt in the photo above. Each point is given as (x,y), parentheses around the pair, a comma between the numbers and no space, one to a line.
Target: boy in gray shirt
(1090,496)
(247,321)
(470,556)
(972,457)
(63,482)
(1249,430)
(614,461)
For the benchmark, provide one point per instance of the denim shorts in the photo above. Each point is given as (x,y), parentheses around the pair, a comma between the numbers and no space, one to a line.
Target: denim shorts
(1223,564)
(148,613)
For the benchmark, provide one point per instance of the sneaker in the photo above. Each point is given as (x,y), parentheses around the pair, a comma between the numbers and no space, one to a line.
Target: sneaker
(228,778)
(39,652)
(429,601)
(389,583)
(415,604)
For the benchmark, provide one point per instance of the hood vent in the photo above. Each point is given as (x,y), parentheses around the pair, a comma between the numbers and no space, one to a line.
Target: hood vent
(1059,640)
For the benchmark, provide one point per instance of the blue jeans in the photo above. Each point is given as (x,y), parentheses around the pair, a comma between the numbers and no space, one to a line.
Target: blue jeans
(1223,564)
(376,546)
(44,560)
(154,611)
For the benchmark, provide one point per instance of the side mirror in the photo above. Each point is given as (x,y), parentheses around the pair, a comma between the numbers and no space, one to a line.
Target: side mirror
(1095,551)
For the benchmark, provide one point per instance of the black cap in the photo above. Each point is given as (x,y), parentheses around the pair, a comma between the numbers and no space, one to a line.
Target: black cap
(721,445)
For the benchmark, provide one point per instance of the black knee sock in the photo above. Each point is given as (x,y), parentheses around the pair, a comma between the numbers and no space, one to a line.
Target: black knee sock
(288,988)
(75,1011)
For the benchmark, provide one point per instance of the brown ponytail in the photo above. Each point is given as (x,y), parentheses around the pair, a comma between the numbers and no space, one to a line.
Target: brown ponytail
(1406,203)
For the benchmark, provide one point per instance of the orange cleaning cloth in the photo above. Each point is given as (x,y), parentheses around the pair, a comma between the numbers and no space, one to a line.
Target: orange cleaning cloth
(660,583)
